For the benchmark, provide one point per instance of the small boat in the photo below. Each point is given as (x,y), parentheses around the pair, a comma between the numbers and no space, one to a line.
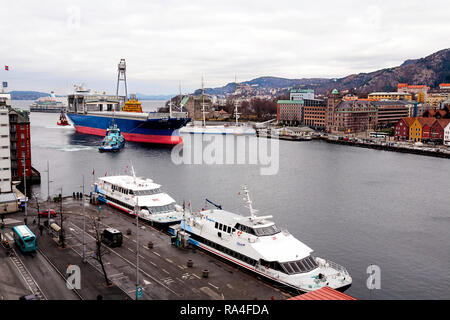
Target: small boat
(113,141)
(63,120)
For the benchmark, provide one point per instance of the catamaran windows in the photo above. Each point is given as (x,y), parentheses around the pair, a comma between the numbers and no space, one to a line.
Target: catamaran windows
(229,229)
(267,231)
(147,192)
(160,209)
(305,265)
(216,225)
(245,228)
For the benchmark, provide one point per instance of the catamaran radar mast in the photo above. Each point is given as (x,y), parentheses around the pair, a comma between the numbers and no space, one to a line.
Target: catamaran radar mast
(253,211)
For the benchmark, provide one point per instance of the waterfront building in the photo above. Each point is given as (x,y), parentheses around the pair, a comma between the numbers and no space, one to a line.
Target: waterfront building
(437,131)
(390,96)
(301,94)
(420,129)
(354,117)
(20,143)
(444,87)
(401,129)
(447,134)
(435,99)
(5,161)
(420,91)
(314,111)
(5,99)
(332,102)
(391,111)
(194,106)
(290,112)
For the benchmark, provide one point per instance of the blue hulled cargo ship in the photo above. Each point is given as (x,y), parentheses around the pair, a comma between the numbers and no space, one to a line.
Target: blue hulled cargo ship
(93,113)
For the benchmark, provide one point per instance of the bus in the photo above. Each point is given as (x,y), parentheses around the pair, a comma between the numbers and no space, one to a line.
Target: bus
(378,134)
(24,238)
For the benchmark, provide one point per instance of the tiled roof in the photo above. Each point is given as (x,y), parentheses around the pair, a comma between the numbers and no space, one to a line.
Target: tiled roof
(443,122)
(426,121)
(324,293)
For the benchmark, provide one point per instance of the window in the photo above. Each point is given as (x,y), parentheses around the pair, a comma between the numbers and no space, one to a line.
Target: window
(216,225)
(229,229)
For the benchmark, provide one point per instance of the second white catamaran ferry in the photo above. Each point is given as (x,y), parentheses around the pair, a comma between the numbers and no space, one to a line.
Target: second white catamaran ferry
(258,245)
(132,194)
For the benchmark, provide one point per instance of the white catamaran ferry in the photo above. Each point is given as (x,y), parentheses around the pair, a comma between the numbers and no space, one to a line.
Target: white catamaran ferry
(133,194)
(258,245)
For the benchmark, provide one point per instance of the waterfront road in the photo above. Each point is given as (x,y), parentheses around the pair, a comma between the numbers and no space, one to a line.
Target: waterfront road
(163,271)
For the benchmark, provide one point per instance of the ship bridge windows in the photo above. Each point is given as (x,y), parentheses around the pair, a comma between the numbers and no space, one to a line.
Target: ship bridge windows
(161,209)
(305,265)
(267,231)
(147,192)
(260,231)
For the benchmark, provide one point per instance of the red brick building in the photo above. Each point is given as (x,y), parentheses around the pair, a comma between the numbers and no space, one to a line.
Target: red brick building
(290,111)
(20,143)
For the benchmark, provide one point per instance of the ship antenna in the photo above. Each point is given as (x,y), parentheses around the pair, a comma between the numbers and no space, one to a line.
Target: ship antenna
(134,173)
(249,202)
(203,104)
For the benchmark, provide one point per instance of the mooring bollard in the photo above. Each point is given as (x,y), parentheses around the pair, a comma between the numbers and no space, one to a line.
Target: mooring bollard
(190,263)
(128,232)
(150,245)
(205,273)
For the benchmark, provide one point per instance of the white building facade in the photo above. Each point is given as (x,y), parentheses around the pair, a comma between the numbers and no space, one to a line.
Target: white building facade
(447,135)
(301,94)
(5,160)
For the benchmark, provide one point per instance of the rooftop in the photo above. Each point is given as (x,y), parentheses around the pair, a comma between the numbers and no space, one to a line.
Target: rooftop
(324,293)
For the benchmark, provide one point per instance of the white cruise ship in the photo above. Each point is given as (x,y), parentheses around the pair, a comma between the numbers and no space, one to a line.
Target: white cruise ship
(132,194)
(258,245)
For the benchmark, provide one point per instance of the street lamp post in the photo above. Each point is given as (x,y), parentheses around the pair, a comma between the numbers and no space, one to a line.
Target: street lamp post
(137,247)
(25,188)
(84,224)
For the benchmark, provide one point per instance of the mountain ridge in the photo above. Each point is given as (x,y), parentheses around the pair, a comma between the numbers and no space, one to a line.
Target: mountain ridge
(430,70)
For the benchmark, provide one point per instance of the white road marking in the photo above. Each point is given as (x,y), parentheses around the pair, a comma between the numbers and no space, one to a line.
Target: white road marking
(130,250)
(217,288)
(165,271)
(153,263)
(156,253)
(196,276)
(168,260)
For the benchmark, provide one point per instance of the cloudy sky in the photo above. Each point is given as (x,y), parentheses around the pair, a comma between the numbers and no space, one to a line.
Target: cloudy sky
(52,45)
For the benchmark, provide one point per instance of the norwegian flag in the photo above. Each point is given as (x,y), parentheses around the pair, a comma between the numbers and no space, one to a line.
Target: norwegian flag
(7,68)
(106,173)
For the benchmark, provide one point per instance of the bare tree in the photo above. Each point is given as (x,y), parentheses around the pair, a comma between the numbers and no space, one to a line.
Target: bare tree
(100,249)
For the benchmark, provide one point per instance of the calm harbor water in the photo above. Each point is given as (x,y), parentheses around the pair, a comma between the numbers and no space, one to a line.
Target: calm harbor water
(351,205)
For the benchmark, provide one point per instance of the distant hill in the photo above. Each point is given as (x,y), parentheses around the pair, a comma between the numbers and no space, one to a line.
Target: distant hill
(27,95)
(431,70)
(141,96)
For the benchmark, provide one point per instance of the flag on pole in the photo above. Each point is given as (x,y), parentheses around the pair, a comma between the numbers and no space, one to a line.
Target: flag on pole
(106,173)
(7,68)
(93,171)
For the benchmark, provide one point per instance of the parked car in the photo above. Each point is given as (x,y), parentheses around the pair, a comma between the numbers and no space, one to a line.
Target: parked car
(45,213)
